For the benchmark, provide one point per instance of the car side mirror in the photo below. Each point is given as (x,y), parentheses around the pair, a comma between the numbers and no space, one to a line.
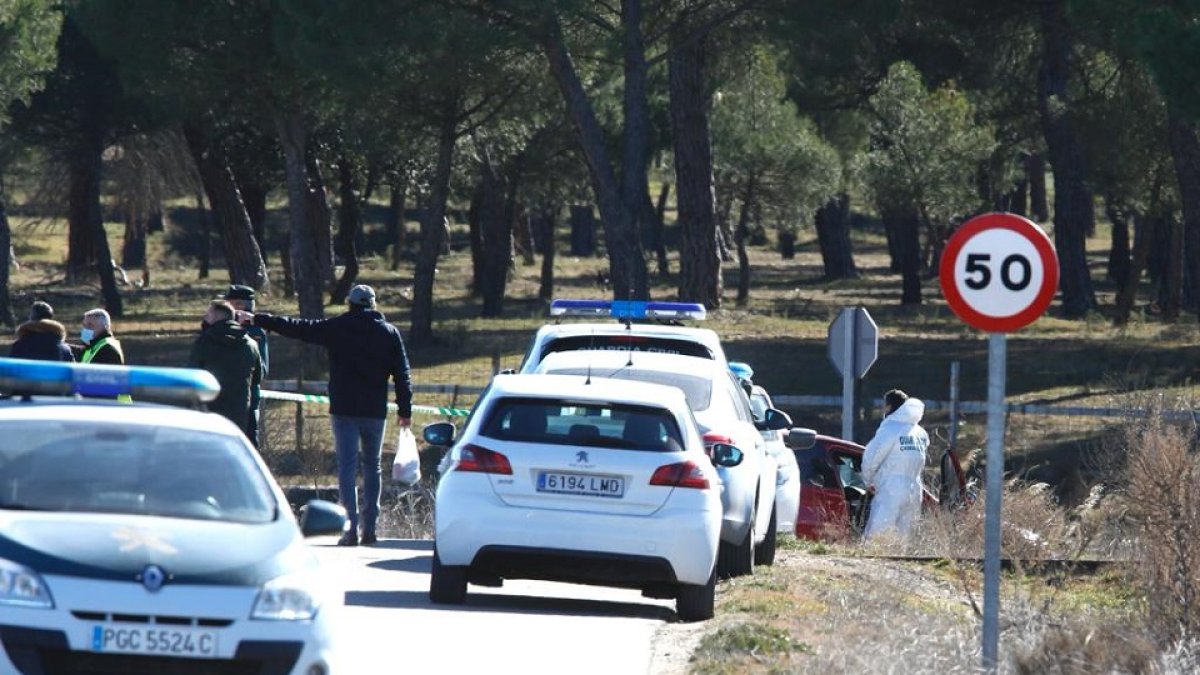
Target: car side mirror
(319,517)
(438,433)
(776,420)
(724,454)
(801,439)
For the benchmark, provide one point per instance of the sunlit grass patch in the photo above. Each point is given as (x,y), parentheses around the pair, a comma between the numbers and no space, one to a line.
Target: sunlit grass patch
(746,647)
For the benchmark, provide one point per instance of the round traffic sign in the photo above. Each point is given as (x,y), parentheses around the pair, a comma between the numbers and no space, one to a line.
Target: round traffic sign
(999,272)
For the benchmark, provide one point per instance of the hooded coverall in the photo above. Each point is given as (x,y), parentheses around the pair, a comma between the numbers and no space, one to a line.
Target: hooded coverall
(892,464)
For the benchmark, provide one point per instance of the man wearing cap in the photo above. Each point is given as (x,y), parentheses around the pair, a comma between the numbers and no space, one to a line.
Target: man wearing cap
(242,299)
(41,337)
(364,351)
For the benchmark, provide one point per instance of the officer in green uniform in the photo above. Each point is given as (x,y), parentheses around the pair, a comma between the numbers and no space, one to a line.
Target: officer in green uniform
(99,344)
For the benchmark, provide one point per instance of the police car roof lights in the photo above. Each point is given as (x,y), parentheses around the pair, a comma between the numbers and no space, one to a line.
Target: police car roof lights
(149,383)
(741,370)
(628,309)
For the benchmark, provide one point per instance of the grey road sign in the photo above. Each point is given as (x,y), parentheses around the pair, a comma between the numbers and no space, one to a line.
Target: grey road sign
(853,340)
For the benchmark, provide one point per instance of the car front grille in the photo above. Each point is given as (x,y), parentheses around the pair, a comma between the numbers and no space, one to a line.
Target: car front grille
(198,621)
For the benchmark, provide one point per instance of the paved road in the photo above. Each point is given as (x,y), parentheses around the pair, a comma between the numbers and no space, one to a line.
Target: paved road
(525,627)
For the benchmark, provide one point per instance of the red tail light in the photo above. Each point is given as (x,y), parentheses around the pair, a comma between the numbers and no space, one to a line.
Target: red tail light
(481,460)
(716,437)
(680,474)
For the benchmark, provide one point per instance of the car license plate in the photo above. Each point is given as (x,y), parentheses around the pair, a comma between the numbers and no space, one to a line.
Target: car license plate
(584,484)
(188,642)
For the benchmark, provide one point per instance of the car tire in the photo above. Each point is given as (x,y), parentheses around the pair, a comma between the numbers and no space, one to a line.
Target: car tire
(695,602)
(764,553)
(735,560)
(447,583)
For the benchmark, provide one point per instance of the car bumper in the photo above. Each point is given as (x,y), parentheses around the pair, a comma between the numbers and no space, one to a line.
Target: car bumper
(63,639)
(685,540)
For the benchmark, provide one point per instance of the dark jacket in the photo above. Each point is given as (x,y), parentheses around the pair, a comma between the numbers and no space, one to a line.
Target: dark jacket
(110,352)
(364,351)
(225,350)
(41,340)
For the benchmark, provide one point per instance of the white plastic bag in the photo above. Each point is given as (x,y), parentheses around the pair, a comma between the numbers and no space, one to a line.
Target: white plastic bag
(407,466)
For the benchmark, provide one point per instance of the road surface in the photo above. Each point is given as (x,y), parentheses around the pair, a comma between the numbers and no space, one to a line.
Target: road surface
(525,627)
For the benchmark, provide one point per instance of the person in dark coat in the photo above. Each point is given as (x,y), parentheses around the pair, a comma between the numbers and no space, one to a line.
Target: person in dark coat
(364,352)
(224,350)
(41,337)
(242,299)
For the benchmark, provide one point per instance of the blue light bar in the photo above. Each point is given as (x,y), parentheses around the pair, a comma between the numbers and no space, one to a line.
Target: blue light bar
(628,309)
(145,383)
(741,370)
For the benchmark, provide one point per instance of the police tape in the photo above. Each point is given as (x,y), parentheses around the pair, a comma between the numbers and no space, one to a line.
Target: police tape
(318,398)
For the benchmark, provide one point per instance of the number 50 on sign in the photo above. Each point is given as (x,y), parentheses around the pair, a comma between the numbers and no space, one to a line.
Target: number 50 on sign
(999,272)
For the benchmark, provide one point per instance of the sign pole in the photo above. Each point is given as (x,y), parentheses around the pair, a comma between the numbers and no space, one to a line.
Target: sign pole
(848,343)
(997,357)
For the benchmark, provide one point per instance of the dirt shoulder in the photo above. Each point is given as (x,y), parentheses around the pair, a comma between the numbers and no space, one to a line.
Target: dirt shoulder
(820,612)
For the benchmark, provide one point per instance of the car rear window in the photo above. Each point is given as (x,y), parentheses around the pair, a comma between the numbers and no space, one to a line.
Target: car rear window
(697,390)
(565,422)
(110,468)
(816,469)
(622,342)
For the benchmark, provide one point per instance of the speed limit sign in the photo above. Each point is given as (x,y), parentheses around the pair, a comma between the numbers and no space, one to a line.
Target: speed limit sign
(999,272)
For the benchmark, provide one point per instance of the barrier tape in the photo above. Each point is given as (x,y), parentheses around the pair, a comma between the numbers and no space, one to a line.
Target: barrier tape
(318,398)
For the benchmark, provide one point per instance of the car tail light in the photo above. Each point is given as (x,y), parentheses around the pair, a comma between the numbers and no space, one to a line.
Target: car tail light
(680,474)
(481,460)
(716,437)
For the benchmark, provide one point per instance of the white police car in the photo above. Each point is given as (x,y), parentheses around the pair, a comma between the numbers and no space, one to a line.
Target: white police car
(141,538)
(625,335)
(581,480)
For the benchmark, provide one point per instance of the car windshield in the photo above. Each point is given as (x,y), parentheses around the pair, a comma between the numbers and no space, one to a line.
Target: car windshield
(96,467)
(625,342)
(697,390)
(564,422)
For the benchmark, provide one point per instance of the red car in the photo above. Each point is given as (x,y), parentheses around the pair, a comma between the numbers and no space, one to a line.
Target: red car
(834,502)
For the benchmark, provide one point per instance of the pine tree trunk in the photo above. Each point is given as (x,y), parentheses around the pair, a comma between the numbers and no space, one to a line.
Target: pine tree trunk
(739,238)
(660,225)
(433,229)
(349,226)
(82,252)
(475,238)
(1117,269)
(303,253)
(320,220)
(205,219)
(1074,216)
(696,215)
(906,228)
(496,233)
(545,226)
(1185,151)
(627,268)
(833,237)
(133,246)
(6,315)
(583,230)
(395,221)
(104,259)
(254,198)
(1035,174)
(243,257)
(1143,237)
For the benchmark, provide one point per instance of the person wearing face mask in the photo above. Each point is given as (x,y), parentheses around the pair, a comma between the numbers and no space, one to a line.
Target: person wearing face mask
(99,344)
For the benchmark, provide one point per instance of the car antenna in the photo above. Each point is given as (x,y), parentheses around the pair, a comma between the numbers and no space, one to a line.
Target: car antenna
(591,347)
(629,335)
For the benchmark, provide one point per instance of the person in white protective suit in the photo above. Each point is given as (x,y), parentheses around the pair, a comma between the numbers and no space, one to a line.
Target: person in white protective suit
(892,466)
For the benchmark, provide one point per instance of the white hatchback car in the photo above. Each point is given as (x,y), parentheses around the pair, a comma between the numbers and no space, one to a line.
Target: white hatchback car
(141,538)
(722,411)
(580,480)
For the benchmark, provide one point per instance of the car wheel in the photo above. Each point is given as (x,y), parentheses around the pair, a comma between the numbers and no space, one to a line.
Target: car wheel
(695,603)
(764,553)
(447,583)
(735,560)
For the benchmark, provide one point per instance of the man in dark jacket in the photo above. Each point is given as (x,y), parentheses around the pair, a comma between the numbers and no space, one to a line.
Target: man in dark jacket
(225,350)
(41,337)
(242,299)
(364,351)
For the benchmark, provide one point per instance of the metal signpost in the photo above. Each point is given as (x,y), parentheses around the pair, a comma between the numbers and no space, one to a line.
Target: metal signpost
(999,272)
(853,348)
